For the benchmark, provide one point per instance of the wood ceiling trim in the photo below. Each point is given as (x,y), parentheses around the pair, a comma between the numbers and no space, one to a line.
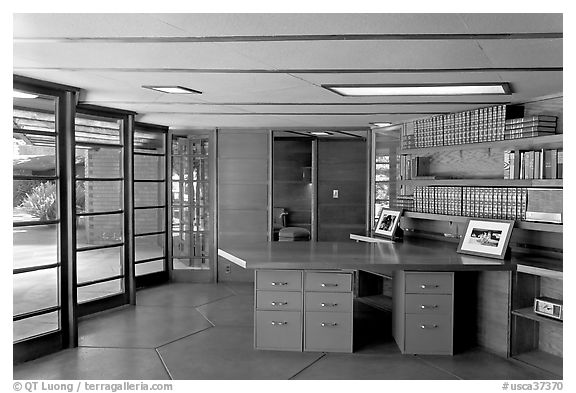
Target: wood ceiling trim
(299,37)
(293,113)
(298,71)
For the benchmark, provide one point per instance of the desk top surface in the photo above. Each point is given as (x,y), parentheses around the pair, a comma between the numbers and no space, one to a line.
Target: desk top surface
(416,255)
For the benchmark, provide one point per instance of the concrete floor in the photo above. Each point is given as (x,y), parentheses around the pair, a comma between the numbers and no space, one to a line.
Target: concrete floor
(205,331)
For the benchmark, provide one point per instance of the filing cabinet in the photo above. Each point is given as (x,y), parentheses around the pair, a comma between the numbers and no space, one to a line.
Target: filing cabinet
(278,316)
(310,311)
(423,312)
(328,317)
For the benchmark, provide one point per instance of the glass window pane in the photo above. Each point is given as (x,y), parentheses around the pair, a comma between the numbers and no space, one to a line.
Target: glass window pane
(199,169)
(96,129)
(148,220)
(149,267)
(34,200)
(35,290)
(187,244)
(148,142)
(148,168)
(98,196)
(30,327)
(382,191)
(180,169)
(33,155)
(148,247)
(34,246)
(99,230)
(98,264)
(199,193)
(99,162)
(148,194)
(190,219)
(382,172)
(37,114)
(103,289)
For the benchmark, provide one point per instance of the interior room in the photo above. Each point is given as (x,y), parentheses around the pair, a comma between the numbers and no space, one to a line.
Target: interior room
(287,196)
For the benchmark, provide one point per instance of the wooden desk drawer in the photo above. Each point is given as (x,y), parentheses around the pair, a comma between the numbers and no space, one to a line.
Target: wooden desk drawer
(328,282)
(279,280)
(328,301)
(429,283)
(279,330)
(330,332)
(428,334)
(277,300)
(428,304)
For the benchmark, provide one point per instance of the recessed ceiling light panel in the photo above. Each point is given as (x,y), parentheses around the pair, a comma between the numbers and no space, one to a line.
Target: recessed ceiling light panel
(381,124)
(320,133)
(434,89)
(173,89)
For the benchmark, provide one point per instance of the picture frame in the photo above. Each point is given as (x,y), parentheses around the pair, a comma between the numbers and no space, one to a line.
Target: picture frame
(387,225)
(486,238)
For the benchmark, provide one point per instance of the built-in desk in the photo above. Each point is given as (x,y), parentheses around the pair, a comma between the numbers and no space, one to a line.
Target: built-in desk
(303,284)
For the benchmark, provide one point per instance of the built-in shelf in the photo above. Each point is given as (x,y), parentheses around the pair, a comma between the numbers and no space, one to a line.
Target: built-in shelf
(530,226)
(529,313)
(540,271)
(542,360)
(381,302)
(540,142)
(485,182)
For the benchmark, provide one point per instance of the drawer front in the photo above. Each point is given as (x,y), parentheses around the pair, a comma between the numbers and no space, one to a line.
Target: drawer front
(428,334)
(277,300)
(328,282)
(429,304)
(330,332)
(328,301)
(429,283)
(279,330)
(279,280)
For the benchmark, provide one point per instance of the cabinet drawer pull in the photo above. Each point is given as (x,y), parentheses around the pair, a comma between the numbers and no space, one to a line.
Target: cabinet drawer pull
(328,304)
(328,324)
(279,323)
(276,283)
(428,326)
(427,286)
(427,306)
(278,303)
(325,284)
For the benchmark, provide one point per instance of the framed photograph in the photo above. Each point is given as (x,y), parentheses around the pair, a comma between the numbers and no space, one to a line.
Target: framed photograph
(388,223)
(486,238)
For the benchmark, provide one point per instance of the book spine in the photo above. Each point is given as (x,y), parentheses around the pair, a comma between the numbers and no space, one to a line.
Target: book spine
(560,166)
(524,203)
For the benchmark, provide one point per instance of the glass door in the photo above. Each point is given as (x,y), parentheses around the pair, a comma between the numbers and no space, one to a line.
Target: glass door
(192,219)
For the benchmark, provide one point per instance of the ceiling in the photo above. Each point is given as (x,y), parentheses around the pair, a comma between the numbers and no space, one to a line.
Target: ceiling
(266,70)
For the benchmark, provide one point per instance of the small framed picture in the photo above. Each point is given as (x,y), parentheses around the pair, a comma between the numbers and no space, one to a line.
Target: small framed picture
(388,223)
(487,238)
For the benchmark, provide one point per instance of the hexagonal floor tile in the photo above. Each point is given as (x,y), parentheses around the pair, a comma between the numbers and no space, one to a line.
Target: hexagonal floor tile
(228,353)
(95,363)
(231,311)
(140,327)
(182,295)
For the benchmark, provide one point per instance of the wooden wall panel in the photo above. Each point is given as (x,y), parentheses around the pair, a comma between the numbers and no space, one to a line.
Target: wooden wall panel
(493,311)
(550,339)
(342,166)
(242,194)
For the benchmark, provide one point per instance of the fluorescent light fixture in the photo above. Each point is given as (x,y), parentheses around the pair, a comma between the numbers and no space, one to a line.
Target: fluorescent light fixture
(383,124)
(21,94)
(173,89)
(320,133)
(433,89)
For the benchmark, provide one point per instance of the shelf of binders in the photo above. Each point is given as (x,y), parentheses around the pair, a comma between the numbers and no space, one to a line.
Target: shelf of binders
(527,225)
(485,182)
(539,142)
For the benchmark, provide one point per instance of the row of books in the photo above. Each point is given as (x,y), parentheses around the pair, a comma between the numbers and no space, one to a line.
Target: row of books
(507,203)
(405,202)
(478,125)
(534,164)
(529,127)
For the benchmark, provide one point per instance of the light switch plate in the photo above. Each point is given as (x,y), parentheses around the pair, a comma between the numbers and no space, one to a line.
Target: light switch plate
(335,194)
